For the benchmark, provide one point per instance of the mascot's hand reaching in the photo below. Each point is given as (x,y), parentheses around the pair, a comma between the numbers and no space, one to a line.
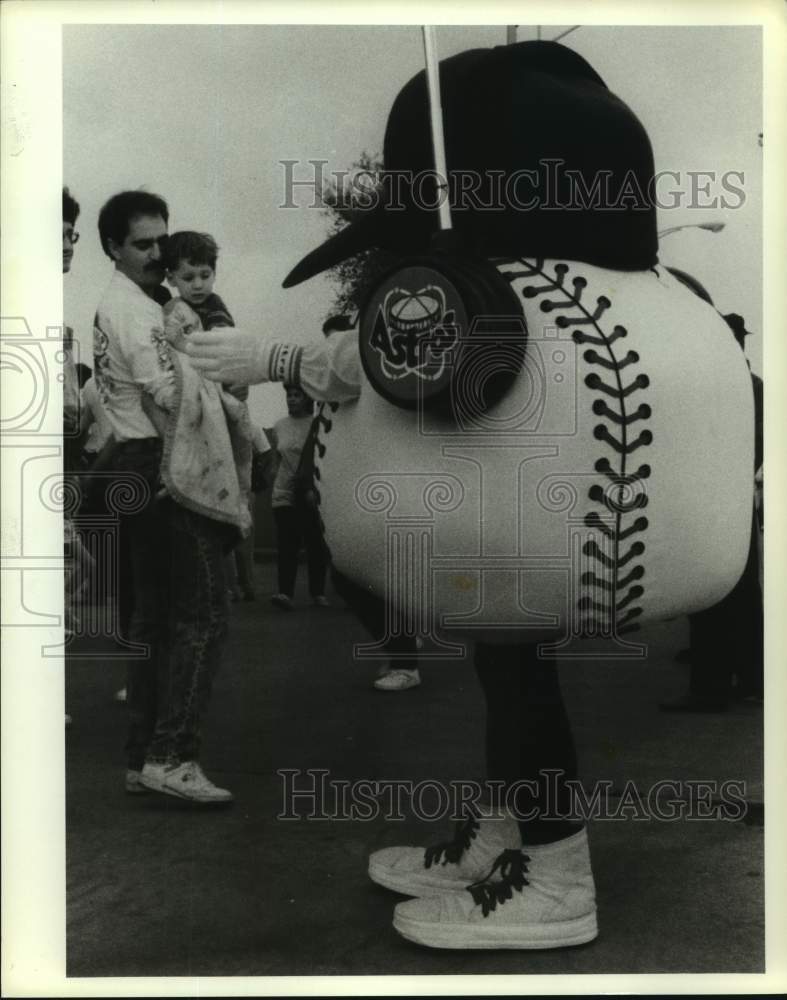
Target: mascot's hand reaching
(229,355)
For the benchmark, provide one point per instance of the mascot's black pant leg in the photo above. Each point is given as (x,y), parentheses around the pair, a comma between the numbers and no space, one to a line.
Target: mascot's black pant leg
(529,744)
(370,611)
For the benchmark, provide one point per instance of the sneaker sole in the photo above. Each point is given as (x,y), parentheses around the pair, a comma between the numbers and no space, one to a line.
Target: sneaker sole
(164,790)
(420,886)
(403,686)
(523,937)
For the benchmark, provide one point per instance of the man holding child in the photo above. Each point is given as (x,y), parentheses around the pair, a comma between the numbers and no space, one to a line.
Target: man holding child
(177,553)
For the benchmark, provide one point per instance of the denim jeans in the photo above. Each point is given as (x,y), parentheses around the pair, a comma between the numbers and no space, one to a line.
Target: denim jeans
(180,614)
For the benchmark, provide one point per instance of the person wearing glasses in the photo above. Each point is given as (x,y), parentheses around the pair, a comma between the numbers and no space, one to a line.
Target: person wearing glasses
(77,560)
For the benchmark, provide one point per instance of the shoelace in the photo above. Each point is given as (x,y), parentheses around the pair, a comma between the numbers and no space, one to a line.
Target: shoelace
(452,850)
(512,865)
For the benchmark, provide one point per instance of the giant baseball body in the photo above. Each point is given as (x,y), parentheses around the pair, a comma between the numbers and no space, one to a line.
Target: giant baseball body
(609,487)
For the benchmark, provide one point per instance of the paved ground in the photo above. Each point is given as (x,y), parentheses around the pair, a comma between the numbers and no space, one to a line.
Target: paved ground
(158,888)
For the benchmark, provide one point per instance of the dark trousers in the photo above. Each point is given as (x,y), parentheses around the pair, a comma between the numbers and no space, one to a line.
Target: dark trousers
(95,505)
(370,612)
(296,526)
(727,639)
(179,613)
(527,735)
(240,562)
(527,729)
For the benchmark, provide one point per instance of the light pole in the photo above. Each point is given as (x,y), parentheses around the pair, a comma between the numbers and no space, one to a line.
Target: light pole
(711,227)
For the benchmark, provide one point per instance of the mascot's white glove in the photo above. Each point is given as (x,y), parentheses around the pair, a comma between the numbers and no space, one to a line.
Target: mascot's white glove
(329,371)
(229,355)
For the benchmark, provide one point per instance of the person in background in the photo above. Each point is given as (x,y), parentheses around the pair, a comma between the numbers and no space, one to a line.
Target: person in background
(240,568)
(726,644)
(98,449)
(95,430)
(400,672)
(70,376)
(297,519)
(77,560)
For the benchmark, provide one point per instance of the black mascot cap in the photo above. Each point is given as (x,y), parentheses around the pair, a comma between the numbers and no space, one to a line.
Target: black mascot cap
(533,106)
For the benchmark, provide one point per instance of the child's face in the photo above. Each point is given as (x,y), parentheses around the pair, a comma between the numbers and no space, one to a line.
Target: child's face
(296,401)
(194,282)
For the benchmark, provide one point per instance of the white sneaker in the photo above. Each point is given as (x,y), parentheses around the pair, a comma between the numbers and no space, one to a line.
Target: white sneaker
(282,601)
(446,867)
(398,680)
(133,785)
(545,898)
(121,696)
(184,781)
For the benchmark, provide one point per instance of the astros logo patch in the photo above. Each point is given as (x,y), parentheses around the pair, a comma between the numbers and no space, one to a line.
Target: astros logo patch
(413,332)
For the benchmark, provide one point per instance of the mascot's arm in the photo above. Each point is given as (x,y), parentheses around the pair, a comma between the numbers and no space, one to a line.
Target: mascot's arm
(330,371)
(327,370)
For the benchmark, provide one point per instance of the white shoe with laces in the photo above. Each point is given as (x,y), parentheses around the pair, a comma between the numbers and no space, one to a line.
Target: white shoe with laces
(544,897)
(184,781)
(398,680)
(446,867)
(282,601)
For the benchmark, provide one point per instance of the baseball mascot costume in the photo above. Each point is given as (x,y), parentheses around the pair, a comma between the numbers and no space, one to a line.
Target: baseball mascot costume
(543,441)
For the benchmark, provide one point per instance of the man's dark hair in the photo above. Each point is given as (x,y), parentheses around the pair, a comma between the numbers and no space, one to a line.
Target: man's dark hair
(336,323)
(194,248)
(70,207)
(116,215)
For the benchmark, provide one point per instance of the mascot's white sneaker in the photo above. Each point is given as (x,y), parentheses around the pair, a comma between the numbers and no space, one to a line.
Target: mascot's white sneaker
(545,898)
(415,871)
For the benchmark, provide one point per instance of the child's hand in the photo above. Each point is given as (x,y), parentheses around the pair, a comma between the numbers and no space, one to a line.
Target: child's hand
(180,321)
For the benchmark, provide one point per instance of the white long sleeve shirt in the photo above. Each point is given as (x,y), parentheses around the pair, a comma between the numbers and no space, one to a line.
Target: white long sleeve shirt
(328,370)
(130,357)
